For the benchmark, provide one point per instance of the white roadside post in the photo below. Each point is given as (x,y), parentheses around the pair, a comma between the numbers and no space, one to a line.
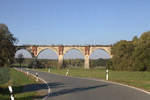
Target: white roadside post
(67,72)
(11,93)
(107,74)
(37,79)
(49,70)
(12,97)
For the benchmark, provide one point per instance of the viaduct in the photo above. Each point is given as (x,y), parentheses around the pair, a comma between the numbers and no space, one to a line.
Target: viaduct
(60,50)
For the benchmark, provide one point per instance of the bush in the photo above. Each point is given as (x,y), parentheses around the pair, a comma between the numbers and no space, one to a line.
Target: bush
(4,75)
(36,64)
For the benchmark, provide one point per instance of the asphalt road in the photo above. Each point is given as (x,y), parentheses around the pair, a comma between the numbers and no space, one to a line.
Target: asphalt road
(68,88)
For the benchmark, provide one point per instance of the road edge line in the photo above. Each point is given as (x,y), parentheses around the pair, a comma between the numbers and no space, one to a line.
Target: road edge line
(116,83)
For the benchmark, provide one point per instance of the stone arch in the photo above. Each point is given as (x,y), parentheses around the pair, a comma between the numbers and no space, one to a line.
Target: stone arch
(45,60)
(27,55)
(80,49)
(18,49)
(41,49)
(106,49)
(98,55)
(73,61)
(76,50)
(47,49)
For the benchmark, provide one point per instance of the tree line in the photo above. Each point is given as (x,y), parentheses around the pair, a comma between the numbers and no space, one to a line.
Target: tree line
(53,63)
(131,55)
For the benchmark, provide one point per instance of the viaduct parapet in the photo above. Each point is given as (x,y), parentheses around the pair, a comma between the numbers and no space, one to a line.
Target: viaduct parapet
(60,50)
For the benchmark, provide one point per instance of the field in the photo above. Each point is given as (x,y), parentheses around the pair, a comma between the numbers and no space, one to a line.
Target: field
(136,79)
(18,81)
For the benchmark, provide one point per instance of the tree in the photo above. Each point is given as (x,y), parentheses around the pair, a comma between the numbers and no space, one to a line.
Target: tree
(132,55)
(141,54)
(122,51)
(7,48)
(20,59)
(36,64)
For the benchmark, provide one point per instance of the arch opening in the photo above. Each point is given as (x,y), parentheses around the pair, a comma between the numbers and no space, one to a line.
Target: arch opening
(99,58)
(47,58)
(73,58)
(26,58)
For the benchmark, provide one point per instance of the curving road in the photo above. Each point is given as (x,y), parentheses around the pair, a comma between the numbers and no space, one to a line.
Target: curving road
(68,88)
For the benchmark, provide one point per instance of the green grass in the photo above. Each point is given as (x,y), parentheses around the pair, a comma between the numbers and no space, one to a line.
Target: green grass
(17,81)
(16,64)
(136,79)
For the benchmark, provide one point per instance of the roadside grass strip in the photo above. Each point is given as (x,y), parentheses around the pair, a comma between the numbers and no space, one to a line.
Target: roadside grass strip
(39,79)
(18,81)
(136,79)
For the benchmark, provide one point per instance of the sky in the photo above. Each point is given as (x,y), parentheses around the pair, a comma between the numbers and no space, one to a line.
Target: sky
(74,22)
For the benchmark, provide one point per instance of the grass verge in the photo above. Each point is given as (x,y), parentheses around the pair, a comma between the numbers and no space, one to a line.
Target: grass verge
(18,81)
(136,79)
